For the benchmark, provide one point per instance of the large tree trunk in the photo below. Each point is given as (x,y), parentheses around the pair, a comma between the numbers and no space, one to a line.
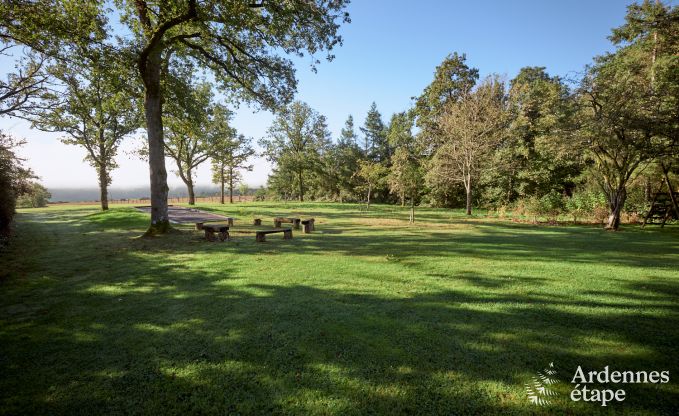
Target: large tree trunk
(412,209)
(103,187)
(301,186)
(192,195)
(160,222)
(616,202)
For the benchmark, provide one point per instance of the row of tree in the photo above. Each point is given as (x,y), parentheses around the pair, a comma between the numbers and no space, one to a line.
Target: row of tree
(464,141)
(494,143)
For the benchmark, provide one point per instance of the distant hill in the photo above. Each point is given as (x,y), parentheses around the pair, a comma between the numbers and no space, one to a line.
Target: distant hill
(92,194)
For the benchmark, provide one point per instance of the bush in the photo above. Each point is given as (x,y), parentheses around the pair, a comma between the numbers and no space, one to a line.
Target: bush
(35,196)
(13,181)
(587,204)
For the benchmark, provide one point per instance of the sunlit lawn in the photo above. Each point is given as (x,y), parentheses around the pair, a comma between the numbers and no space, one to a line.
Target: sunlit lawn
(367,315)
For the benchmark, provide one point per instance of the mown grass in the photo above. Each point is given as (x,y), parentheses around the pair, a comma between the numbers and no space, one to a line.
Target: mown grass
(368,315)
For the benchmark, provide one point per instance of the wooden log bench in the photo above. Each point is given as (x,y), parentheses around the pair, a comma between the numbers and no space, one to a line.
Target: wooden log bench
(229,222)
(211,229)
(308,225)
(279,220)
(261,235)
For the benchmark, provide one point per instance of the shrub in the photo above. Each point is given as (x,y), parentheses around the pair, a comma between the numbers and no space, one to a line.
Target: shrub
(34,196)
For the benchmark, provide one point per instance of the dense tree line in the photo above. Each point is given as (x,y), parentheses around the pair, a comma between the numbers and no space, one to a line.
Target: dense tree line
(536,144)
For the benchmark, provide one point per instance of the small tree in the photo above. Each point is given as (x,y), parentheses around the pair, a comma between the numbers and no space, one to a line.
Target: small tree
(295,142)
(95,109)
(230,153)
(405,177)
(371,174)
(34,196)
(471,129)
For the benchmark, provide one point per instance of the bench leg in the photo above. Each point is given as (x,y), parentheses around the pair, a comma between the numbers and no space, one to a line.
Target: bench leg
(210,235)
(276,224)
(229,222)
(307,228)
(224,235)
(257,221)
(260,238)
(295,224)
(287,235)
(199,226)
(313,226)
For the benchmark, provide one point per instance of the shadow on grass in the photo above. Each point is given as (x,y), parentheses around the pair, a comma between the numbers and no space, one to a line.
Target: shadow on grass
(144,332)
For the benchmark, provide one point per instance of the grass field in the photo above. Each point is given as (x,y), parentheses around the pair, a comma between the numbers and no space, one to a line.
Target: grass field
(368,315)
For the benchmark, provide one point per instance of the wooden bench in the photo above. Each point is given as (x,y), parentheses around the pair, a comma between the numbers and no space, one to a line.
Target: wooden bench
(294,221)
(308,225)
(229,222)
(261,235)
(211,229)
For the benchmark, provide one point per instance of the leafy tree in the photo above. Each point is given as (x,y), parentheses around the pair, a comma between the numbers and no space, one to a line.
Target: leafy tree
(34,196)
(405,176)
(230,153)
(376,146)
(627,120)
(534,157)
(471,128)
(453,79)
(95,108)
(400,136)
(187,138)
(295,142)
(14,180)
(348,135)
(371,175)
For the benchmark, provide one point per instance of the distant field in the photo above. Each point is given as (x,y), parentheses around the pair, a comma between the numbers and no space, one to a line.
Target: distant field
(368,315)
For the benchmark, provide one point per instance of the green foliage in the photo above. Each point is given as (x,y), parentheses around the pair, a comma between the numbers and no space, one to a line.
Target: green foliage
(376,146)
(34,196)
(14,180)
(295,143)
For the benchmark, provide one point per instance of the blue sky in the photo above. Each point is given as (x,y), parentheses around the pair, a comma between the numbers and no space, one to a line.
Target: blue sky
(390,51)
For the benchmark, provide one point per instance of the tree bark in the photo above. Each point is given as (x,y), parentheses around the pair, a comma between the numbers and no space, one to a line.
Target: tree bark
(301,186)
(230,185)
(160,222)
(221,194)
(412,209)
(369,190)
(468,188)
(616,202)
(103,187)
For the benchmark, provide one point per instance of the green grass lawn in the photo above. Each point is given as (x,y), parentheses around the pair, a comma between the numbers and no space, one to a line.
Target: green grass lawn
(368,315)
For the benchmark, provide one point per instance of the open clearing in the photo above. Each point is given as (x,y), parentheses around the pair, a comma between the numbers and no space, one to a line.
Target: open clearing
(366,315)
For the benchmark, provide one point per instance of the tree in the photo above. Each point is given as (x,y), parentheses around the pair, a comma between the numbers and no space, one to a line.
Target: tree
(22,89)
(405,176)
(630,102)
(376,146)
(94,107)
(371,174)
(534,156)
(295,142)
(34,196)
(234,40)
(453,79)
(348,135)
(400,136)
(471,129)
(230,153)
(187,139)
(14,181)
